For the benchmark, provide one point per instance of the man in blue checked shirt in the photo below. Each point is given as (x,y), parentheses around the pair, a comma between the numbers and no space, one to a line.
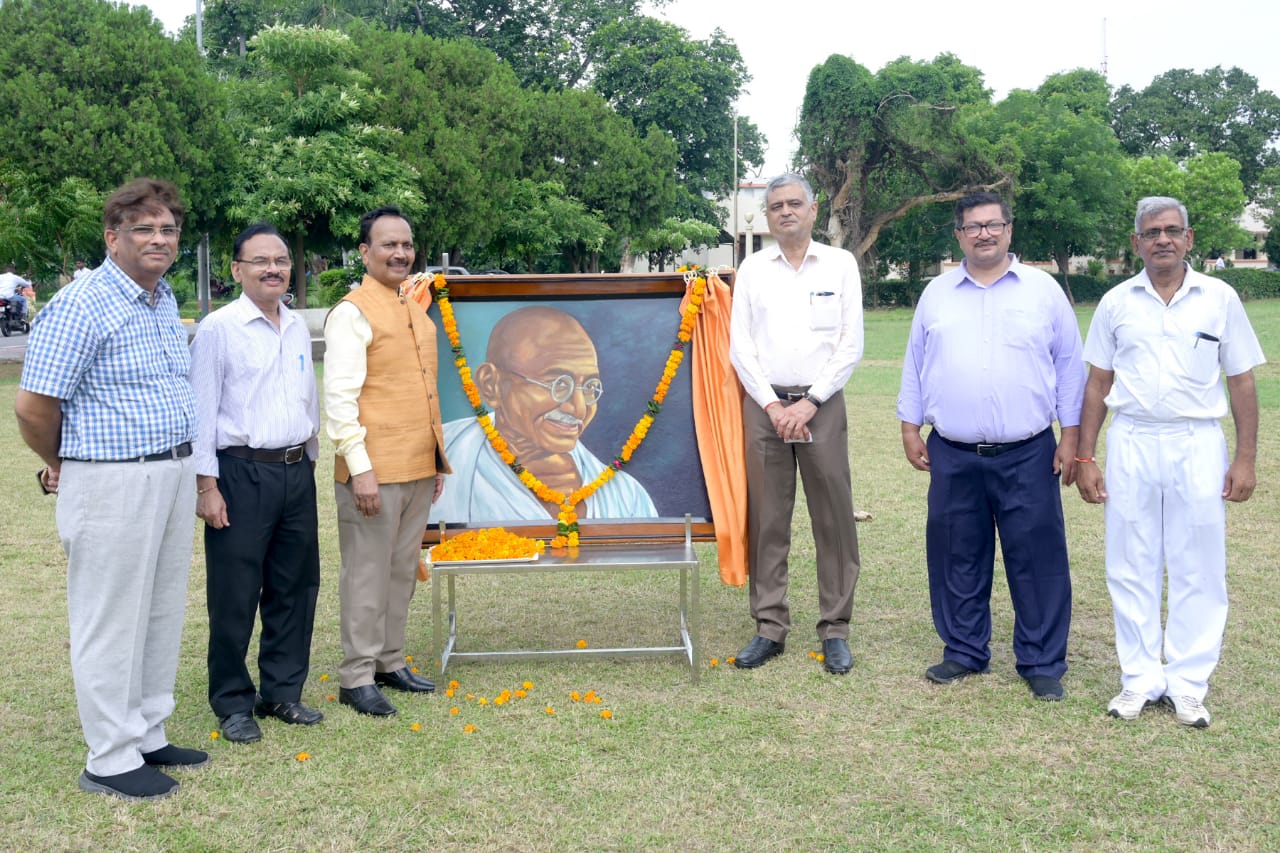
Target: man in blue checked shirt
(105,402)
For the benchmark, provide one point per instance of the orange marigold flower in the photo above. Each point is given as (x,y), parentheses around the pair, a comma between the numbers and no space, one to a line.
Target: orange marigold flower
(575,696)
(453,685)
(551,712)
(470,728)
(449,692)
(606,714)
(324,677)
(582,644)
(730,659)
(454,711)
(528,685)
(416,727)
(213,735)
(715,662)
(520,694)
(482,701)
(331,697)
(820,657)
(470,696)
(303,756)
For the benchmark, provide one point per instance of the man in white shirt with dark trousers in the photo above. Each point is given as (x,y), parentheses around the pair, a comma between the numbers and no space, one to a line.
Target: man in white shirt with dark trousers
(259,424)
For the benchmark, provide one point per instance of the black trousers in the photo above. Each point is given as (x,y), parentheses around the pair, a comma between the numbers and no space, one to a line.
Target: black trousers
(267,559)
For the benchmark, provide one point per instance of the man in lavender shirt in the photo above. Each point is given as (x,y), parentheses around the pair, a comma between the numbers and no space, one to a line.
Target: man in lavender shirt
(993,359)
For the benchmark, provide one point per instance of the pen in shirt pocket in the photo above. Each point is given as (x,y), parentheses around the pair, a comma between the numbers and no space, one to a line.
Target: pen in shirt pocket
(1204,336)
(818,293)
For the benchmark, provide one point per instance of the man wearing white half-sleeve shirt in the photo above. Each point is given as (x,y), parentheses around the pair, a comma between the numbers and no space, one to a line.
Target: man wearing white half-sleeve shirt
(795,337)
(1157,348)
(259,424)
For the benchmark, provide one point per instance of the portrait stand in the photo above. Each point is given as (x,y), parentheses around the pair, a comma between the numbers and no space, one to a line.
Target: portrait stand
(631,321)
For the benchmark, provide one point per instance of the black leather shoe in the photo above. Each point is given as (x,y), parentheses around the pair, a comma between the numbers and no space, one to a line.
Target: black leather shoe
(240,727)
(836,657)
(176,756)
(141,783)
(757,653)
(1046,688)
(293,713)
(404,679)
(949,672)
(366,700)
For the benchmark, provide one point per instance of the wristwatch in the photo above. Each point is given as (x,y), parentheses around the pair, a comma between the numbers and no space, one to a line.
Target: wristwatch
(812,399)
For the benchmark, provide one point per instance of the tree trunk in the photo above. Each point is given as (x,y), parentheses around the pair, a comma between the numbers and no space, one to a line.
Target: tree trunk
(1062,258)
(299,271)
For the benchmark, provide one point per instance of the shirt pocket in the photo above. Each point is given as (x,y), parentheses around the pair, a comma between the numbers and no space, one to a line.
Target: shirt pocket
(824,310)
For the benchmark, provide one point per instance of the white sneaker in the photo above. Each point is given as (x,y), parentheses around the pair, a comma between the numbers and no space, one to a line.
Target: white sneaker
(1188,710)
(1128,705)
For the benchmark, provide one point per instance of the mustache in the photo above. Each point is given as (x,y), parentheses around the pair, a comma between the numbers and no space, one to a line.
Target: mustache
(563,417)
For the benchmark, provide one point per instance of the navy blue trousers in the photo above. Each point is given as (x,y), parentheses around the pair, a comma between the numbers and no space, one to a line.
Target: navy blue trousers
(268,559)
(971,497)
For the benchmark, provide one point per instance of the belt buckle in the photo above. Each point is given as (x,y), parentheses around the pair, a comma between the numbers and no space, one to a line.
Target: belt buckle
(795,396)
(294,454)
(984,449)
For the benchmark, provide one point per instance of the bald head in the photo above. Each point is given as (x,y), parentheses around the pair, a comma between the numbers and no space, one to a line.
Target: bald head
(526,332)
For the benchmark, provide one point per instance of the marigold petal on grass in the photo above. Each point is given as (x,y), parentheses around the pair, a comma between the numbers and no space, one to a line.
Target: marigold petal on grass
(454,711)
(715,662)
(331,697)
(470,728)
(528,685)
(606,714)
(453,685)
(582,644)
(324,677)
(416,727)
(213,735)
(551,712)
(303,756)
(575,696)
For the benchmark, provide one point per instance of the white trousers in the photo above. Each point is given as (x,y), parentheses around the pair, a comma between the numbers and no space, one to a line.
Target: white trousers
(1165,510)
(127,529)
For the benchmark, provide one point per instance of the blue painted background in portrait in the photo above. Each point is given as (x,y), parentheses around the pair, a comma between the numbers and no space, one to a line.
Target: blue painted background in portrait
(633,337)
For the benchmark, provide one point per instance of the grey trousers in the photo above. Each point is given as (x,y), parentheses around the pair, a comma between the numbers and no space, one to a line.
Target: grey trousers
(127,529)
(379,575)
(771,493)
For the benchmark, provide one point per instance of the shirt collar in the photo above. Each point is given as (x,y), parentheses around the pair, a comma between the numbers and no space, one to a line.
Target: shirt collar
(1011,272)
(248,311)
(129,288)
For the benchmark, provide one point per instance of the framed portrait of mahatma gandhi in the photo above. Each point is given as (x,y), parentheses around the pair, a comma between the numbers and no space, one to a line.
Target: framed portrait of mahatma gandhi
(567,365)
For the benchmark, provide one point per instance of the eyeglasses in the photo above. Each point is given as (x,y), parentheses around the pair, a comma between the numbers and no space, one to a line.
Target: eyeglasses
(266,263)
(563,386)
(995,229)
(1173,232)
(146,232)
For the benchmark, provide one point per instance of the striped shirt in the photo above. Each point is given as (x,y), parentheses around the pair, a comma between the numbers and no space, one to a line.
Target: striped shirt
(119,364)
(255,384)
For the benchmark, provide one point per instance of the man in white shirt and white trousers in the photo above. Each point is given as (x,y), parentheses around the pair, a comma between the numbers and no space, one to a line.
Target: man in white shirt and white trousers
(1157,348)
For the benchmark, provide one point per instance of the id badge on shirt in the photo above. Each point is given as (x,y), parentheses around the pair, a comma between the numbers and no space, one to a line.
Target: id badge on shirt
(824,310)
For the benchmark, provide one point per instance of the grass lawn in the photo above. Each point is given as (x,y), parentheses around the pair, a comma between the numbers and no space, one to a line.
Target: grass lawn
(780,758)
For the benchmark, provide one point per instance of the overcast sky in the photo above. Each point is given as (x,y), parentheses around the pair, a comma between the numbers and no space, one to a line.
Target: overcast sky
(1015,43)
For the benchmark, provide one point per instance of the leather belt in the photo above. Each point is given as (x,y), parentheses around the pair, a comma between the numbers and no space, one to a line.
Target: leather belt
(791,396)
(287,455)
(182,451)
(991,449)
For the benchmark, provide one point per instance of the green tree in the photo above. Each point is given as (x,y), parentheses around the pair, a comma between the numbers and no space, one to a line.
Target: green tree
(312,164)
(1210,187)
(464,122)
(97,91)
(541,221)
(1271,245)
(877,146)
(672,237)
(578,141)
(654,74)
(1183,113)
(1069,195)
(44,229)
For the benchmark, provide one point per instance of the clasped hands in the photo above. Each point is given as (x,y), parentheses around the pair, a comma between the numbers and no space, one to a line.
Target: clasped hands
(791,422)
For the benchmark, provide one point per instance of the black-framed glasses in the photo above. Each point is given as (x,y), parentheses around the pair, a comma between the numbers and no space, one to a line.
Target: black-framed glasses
(995,229)
(563,386)
(146,232)
(1173,232)
(266,263)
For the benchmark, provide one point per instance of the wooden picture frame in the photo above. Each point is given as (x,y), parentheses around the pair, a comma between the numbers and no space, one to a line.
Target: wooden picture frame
(632,320)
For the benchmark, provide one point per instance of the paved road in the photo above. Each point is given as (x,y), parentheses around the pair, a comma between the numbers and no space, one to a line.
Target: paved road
(14,347)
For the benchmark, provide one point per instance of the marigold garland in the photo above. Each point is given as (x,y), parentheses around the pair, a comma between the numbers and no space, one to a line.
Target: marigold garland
(490,543)
(567,519)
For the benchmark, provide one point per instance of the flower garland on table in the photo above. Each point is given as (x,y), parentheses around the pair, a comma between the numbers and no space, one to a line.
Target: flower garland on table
(567,519)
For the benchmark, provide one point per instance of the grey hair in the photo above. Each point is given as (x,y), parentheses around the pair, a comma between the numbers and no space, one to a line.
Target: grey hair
(786,179)
(1154,205)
